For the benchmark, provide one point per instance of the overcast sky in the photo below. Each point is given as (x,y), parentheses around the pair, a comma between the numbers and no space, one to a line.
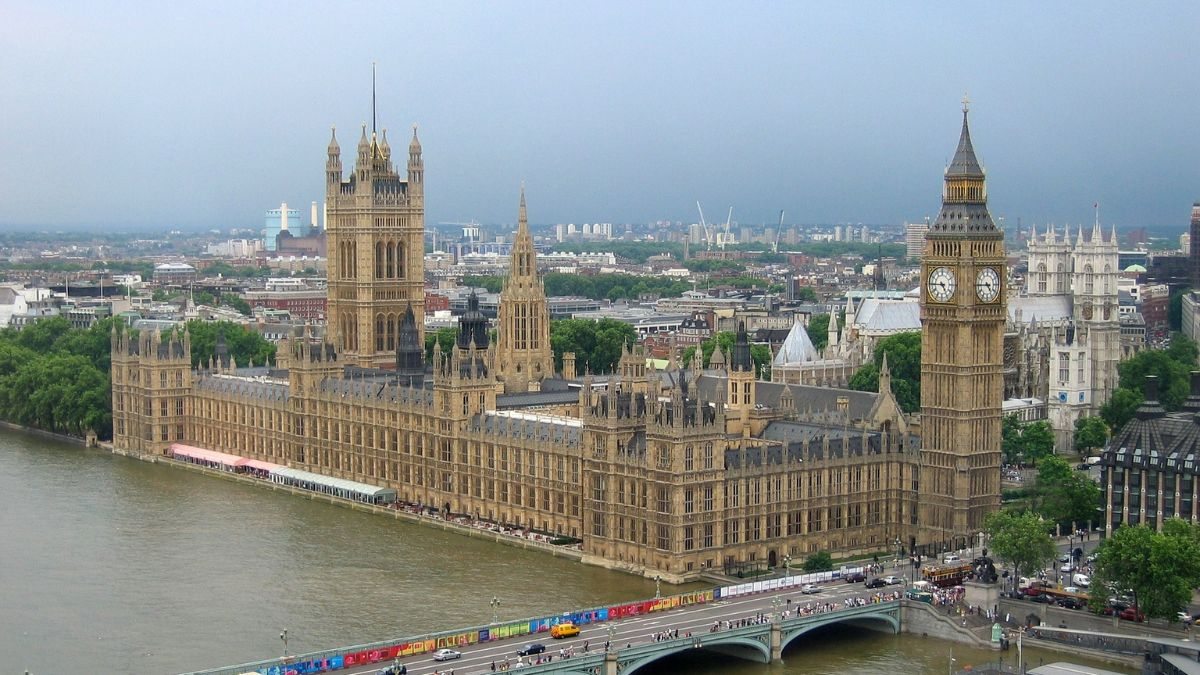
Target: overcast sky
(156,114)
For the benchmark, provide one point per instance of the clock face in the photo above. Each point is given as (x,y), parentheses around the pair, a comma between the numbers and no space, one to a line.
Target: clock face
(941,284)
(987,285)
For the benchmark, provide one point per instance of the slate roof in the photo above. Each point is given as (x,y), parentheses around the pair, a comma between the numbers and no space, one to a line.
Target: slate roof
(881,316)
(796,348)
(1157,440)
(536,398)
(847,445)
(1040,307)
(713,384)
(523,428)
(262,390)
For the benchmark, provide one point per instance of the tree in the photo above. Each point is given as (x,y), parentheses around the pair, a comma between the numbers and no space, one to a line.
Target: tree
(244,344)
(818,330)
(1159,568)
(903,351)
(1010,438)
(818,562)
(806,294)
(1037,440)
(238,303)
(1120,407)
(442,336)
(1020,539)
(597,344)
(1065,496)
(760,355)
(1090,433)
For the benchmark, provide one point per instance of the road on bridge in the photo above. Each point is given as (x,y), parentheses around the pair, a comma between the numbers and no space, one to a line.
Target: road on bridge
(698,619)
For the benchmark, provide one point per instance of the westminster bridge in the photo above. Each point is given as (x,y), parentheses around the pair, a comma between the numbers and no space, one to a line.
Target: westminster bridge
(754,621)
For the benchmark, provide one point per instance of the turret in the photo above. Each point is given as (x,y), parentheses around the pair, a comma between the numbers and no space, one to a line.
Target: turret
(410,353)
(416,166)
(333,163)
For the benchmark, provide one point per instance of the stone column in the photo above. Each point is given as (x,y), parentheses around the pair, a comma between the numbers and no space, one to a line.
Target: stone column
(610,662)
(776,642)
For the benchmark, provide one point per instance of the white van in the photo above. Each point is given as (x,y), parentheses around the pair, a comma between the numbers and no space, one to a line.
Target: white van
(951,559)
(1081,580)
(1093,461)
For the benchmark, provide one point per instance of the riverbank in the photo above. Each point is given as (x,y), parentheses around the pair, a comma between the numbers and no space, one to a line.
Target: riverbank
(415,517)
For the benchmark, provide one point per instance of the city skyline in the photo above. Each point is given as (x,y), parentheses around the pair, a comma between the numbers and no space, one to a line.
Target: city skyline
(197,117)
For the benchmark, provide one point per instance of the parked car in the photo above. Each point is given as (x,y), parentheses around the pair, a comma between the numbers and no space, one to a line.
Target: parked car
(809,589)
(446,655)
(1130,614)
(531,649)
(876,583)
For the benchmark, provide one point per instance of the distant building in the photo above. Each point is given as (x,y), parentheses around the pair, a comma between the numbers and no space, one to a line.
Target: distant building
(914,239)
(277,221)
(1063,338)
(174,273)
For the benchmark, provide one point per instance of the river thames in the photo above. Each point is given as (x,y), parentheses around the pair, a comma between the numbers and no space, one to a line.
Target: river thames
(112,565)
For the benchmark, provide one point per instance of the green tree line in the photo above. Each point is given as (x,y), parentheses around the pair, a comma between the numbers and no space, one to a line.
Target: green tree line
(58,378)
(1172,366)
(903,352)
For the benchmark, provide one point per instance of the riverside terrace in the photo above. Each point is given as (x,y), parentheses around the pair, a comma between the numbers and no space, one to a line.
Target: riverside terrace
(755,621)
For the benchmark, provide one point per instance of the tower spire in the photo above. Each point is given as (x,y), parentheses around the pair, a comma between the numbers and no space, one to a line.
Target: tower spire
(372,97)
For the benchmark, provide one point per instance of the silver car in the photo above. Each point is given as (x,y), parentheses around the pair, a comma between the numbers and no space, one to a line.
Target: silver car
(446,655)
(809,589)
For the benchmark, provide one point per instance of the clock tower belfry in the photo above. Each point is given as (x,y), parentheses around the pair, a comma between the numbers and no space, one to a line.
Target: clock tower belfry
(963,311)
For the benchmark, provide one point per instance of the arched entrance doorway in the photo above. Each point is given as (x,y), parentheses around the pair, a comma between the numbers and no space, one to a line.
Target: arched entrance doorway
(772,558)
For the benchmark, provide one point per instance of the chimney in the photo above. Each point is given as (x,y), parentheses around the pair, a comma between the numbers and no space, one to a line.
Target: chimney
(1150,407)
(313,216)
(568,368)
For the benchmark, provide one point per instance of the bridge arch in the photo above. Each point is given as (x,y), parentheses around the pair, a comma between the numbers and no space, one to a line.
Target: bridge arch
(872,621)
(737,646)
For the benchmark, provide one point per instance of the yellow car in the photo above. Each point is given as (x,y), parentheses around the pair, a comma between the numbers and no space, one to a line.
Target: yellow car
(564,630)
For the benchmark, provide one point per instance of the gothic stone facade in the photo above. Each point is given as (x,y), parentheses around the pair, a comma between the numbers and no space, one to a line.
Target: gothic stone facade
(653,471)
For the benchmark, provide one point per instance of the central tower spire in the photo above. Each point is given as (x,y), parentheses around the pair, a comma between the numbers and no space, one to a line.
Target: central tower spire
(523,329)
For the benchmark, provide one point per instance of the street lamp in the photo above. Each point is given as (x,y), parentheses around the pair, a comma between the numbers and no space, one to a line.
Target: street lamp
(787,565)
(657,586)
(612,633)
(775,602)
(950,666)
(899,551)
(284,636)
(495,609)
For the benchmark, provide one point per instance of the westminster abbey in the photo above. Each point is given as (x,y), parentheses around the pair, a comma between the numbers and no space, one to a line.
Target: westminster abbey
(663,472)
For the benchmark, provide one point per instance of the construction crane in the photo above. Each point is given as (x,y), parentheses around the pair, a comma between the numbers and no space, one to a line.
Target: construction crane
(775,246)
(728,219)
(703,226)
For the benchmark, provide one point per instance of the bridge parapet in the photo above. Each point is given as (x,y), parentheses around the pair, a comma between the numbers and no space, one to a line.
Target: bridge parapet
(760,642)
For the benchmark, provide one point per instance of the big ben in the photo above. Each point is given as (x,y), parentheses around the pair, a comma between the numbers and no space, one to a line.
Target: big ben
(963,299)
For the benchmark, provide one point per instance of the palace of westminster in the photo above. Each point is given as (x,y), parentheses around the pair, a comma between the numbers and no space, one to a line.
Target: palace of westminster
(657,471)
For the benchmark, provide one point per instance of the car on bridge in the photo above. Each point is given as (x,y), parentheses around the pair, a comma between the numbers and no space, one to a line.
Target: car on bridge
(809,589)
(564,630)
(531,649)
(855,578)
(892,580)
(876,583)
(446,655)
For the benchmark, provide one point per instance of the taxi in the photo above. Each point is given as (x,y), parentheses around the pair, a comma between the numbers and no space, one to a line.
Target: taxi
(564,630)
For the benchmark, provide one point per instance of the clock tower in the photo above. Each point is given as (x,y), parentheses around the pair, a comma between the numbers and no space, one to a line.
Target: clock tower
(963,299)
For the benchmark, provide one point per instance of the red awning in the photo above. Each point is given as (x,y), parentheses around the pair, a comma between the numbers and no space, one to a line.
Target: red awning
(207,455)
